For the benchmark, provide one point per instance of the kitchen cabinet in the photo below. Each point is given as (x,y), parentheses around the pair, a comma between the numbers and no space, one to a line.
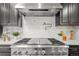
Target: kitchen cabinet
(4,14)
(57,19)
(8,14)
(13,16)
(68,16)
(1,13)
(74,14)
(5,50)
(74,50)
(62,17)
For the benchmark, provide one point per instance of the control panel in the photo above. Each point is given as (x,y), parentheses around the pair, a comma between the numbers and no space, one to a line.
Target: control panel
(44,51)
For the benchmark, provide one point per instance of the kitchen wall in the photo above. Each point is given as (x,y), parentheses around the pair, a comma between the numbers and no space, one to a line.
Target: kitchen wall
(34,27)
(10,29)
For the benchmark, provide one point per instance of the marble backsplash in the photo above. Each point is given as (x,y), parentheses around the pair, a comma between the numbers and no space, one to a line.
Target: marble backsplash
(10,29)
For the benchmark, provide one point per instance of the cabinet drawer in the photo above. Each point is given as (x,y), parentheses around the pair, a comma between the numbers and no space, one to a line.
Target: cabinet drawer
(74,50)
(5,50)
(5,54)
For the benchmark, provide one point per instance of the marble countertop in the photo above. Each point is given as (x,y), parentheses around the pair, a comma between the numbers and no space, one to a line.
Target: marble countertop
(11,42)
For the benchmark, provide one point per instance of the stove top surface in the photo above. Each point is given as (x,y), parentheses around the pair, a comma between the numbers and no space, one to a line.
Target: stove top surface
(39,42)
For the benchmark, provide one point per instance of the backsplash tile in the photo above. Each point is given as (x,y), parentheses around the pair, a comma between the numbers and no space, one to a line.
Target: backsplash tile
(30,31)
(33,28)
(10,29)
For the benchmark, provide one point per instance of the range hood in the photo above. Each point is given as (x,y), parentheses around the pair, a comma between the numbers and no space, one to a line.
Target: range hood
(39,12)
(36,9)
(38,5)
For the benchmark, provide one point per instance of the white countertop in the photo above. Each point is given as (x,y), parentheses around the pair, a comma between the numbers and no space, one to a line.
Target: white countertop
(11,42)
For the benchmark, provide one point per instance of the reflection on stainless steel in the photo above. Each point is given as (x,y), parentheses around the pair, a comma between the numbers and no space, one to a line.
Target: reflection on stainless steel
(19,53)
(43,51)
(14,53)
(36,51)
(39,41)
(47,51)
(26,52)
(39,47)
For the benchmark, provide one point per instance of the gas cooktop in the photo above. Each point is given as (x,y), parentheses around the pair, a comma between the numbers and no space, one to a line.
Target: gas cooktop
(39,41)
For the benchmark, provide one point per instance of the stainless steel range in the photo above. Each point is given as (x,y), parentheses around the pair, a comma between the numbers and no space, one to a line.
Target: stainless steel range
(36,46)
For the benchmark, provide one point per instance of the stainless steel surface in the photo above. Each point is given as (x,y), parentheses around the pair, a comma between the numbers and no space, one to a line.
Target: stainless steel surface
(5,50)
(50,12)
(67,15)
(1,30)
(8,15)
(38,5)
(43,51)
(39,13)
(30,47)
(39,42)
(39,9)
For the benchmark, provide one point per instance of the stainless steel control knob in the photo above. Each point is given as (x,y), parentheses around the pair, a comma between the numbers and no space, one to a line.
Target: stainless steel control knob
(19,53)
(14,53)
(26,53)
(36,52)
(43,51)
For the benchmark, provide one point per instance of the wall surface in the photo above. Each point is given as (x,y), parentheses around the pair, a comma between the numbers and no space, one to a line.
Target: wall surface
(34,27)
(10,29)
